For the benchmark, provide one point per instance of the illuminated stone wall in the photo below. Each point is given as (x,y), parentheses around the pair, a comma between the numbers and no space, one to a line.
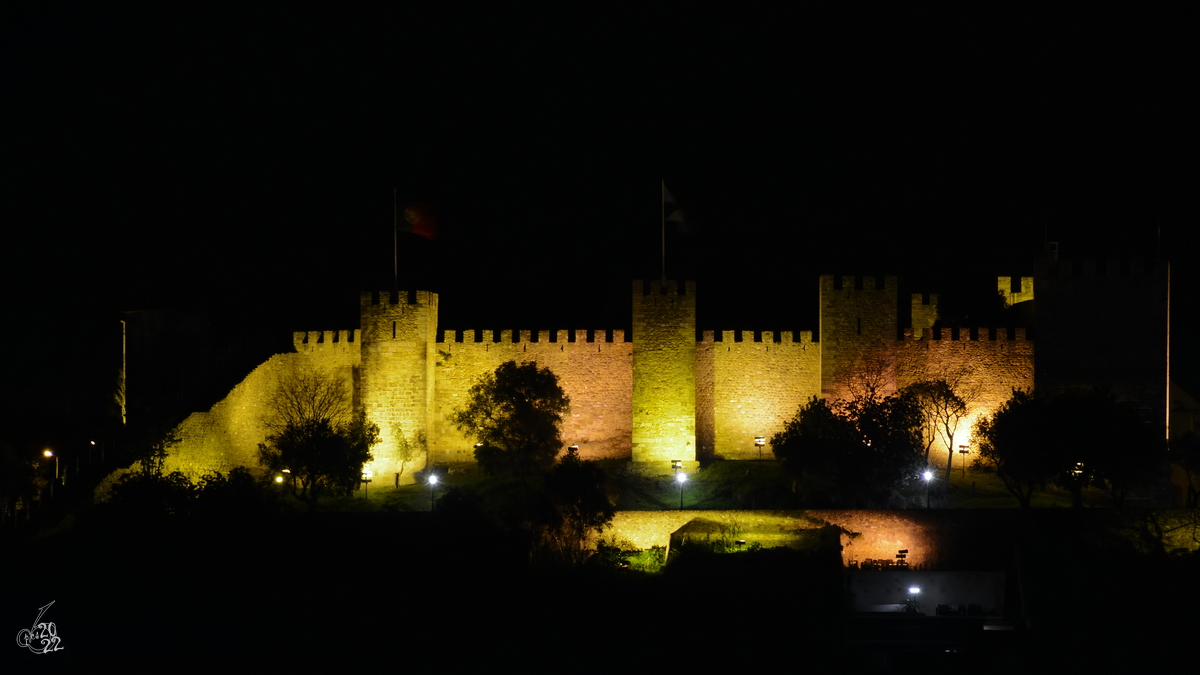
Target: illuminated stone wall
(597,375)
(989,362)
(749,387)
(664,372)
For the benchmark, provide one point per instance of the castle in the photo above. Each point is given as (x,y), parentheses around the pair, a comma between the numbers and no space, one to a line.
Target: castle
(667,393)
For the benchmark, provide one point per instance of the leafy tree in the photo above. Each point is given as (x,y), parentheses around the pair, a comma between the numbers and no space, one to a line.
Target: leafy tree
(852,452)
(1013,442)
(515,413)
(320,455)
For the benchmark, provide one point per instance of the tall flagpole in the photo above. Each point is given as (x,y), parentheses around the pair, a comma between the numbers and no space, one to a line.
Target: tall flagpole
(395,236)
(663,203)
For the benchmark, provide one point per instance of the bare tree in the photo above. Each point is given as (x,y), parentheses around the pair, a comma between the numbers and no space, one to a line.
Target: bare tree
(872,376)
(944,401)
(305,395)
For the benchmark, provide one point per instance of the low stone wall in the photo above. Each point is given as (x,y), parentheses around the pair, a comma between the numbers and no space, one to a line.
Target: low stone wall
(866,534)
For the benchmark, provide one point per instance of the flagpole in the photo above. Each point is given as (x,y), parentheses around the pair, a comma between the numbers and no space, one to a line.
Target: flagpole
(663,204)
(395,237)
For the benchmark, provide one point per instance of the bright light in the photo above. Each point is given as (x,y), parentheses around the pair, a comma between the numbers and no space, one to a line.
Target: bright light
(433,479)
(48,453)
(278,479)
(914,589)
(681,477)
(928,475)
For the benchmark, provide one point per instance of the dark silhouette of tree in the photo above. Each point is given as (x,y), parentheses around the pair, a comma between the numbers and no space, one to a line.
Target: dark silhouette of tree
(943,405)
(581,507)
(1014,443)
(315,438)
(320,455)
(1185,453)
(516,413)
(853,452)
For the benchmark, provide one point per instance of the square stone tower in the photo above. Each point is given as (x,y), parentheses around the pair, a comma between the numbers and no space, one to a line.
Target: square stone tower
(664,374)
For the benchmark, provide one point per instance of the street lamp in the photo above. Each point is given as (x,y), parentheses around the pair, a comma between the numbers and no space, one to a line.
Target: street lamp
(432,488)
(928,476)
(963,450)
(49,453)
(681,478)
(759,442)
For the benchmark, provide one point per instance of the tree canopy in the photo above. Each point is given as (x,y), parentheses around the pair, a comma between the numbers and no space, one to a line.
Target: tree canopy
(852,452)
(515,413)
(1076,439)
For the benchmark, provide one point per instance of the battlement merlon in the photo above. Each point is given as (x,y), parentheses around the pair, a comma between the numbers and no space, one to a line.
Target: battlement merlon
(470,336)
(1011,297)
(980,334)
(656,287)
(312,340)
(851,283)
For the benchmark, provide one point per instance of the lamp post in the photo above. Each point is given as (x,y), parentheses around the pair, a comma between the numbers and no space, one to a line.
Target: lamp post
(928,475)
(49,453)
(963,450)
(681,478)
(759,442)
(432,487)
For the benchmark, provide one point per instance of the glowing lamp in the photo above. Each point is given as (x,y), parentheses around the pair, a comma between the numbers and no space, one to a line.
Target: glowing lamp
(681,477)
(433,479)
(914,589)
(928,475)
(47,453)
(278,479)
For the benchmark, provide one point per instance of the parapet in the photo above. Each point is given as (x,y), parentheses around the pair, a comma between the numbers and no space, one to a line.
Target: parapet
(313,340)
(369,298)
(470,336)
(656,286)
(831,282)
(766,336)
(980,334)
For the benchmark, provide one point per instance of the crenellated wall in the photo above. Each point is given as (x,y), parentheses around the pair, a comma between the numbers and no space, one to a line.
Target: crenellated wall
(661,394)
(985,365)
(596,373)
(750,385)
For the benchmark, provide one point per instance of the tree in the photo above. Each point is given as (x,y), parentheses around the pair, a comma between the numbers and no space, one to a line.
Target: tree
(1013,442)
(315,438)
(852,452)
(942,408)
(306,395)
(320,455)
(515,413)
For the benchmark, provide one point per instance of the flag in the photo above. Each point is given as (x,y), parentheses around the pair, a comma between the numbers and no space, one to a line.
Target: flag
(419,220)
(671,210)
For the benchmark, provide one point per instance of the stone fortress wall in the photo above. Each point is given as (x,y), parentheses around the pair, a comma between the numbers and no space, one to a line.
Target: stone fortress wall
(664,393)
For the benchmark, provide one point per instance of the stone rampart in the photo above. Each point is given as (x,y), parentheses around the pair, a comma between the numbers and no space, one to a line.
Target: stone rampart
(597,375)
(751,387)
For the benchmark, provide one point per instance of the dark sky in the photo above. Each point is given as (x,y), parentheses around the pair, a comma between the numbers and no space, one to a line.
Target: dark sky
(195,159)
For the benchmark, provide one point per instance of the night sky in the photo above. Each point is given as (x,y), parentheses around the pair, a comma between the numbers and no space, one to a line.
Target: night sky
(244,165)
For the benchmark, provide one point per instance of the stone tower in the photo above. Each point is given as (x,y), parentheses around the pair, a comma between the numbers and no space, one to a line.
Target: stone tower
(396,381)
(858,332)
(664,374)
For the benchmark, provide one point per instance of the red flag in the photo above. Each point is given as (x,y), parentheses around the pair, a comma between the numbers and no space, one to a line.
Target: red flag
(419,220)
